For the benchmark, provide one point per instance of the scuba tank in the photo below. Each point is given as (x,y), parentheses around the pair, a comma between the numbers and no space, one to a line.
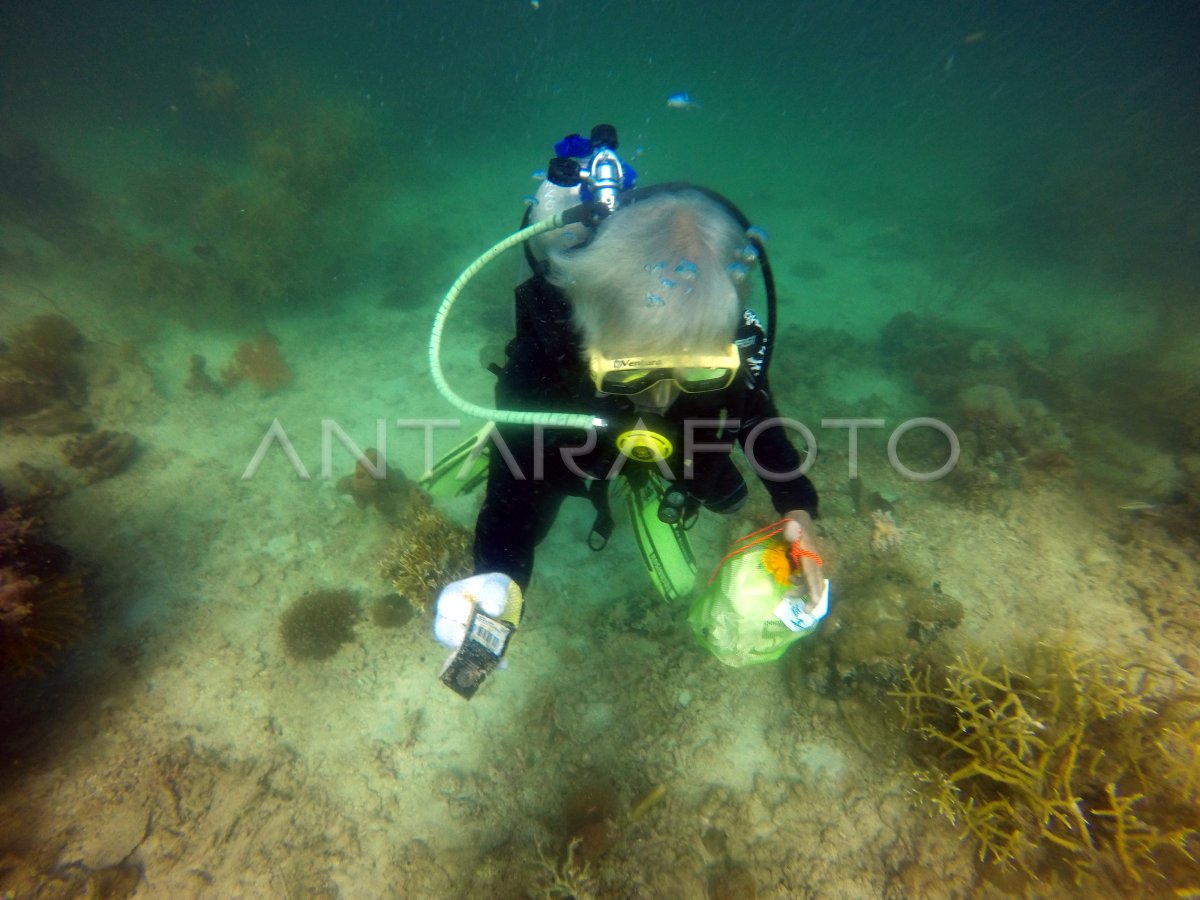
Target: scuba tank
(582,170)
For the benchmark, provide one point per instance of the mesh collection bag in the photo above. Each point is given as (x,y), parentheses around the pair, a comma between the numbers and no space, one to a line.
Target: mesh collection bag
(753,608)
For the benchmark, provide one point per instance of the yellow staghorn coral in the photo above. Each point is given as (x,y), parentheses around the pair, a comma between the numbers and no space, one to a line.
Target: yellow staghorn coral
(1180,746)
(1080,767)
(428,552)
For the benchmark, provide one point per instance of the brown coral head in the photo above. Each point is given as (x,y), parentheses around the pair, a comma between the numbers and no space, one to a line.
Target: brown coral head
(375,484)
(591,841)
(40,368)
(593,801)
(102,454)
(318,623)
(259,361)
(365,479)
(49,335)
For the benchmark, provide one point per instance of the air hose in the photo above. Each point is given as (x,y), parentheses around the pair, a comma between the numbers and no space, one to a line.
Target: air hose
(506,416)
(580,213)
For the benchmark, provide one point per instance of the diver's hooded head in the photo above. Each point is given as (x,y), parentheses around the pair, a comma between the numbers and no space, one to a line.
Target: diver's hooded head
(664,275)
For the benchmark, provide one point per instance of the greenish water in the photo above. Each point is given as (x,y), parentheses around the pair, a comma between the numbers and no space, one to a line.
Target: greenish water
(980,212)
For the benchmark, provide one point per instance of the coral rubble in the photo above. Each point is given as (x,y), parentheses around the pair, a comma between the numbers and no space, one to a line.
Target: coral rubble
(886,535)
(1078,770)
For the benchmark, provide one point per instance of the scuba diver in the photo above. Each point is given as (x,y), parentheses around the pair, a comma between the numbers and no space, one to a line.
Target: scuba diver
(634,355)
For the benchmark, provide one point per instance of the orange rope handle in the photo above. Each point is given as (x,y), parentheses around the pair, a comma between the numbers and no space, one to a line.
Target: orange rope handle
(776,526)
(744,543)
(797,551)
(742,548)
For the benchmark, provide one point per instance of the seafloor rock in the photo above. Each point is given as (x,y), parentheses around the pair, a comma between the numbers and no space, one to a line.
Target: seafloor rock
(883,621)
(992,404)
(102,454)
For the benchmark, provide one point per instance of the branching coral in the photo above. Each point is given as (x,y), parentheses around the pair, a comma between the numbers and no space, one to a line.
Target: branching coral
(37,619)
(1078,768)
(886,535)
(41,600)
(565,880)
(40,369)
(427,552)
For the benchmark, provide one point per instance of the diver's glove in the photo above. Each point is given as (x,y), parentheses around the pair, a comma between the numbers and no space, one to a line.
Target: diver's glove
(475,618)
(799,533)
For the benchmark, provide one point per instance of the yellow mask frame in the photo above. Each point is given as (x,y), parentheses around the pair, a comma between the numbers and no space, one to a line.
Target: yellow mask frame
(692,373)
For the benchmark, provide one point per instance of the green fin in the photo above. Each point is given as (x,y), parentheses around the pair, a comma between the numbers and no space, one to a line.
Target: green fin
(665,549)
(462,469)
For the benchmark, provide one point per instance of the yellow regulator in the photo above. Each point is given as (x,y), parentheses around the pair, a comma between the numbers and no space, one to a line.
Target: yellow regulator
(644,445)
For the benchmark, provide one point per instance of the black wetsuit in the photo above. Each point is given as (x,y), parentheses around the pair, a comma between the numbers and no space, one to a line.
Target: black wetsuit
(545,370)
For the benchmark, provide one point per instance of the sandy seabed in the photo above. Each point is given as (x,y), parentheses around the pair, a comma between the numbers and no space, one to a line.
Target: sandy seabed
(179,751)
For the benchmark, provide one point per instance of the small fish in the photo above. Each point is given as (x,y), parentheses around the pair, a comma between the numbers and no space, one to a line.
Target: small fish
(1140,506)
(682,100)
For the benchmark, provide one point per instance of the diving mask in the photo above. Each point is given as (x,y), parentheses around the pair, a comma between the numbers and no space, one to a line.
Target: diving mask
(691,373)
